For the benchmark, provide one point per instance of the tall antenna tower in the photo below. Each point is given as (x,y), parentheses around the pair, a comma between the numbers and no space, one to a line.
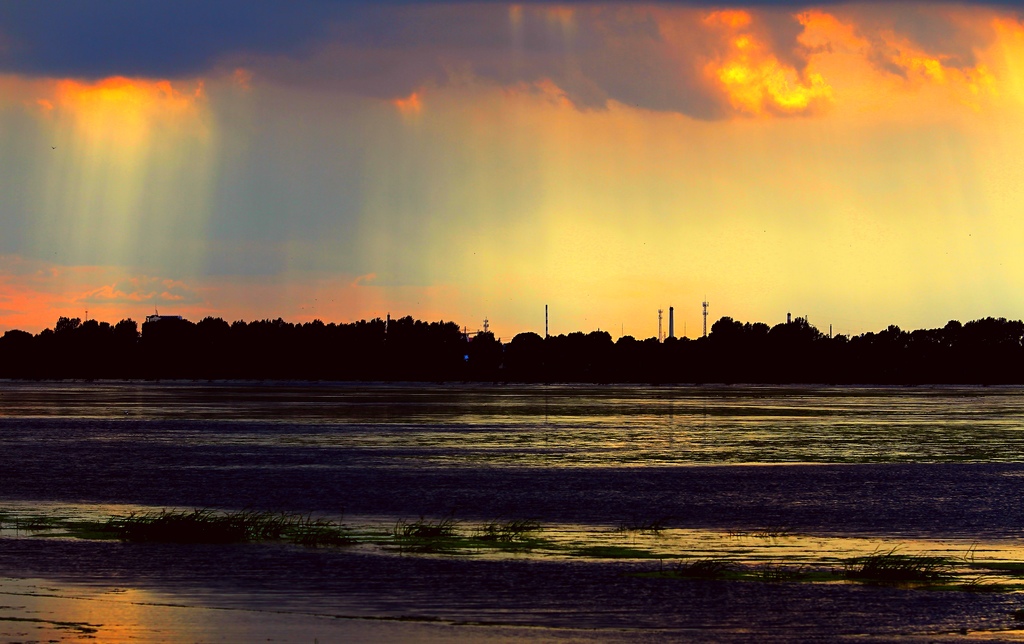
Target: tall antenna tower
(486,325)
(705,305)
(661,337)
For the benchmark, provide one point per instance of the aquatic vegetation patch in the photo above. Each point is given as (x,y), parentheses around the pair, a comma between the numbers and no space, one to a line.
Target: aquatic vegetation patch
(512,531)
(207,526)
(650,525)
(31,523)
(767,532)
(704,568)
(980,584)
(893,567)
(773,532)
(426,529)
(445,536)
(680,554)
(427,536)
(1010,567)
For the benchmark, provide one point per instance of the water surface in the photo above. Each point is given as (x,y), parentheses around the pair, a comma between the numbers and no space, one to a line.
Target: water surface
(841,470)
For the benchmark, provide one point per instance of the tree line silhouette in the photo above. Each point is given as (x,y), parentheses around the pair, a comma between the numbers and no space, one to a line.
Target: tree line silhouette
(986,351)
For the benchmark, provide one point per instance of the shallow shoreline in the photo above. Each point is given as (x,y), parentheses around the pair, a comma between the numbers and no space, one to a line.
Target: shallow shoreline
(231,593)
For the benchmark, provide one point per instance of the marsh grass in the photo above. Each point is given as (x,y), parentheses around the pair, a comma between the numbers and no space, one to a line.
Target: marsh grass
(445,528)
(445,536)
(512,531)
(29,523)
(655,525)
(983,584)
(427,536)
(893,567)
(964,573)
(773,532)
(704,568)
(208,526)
(1015,568)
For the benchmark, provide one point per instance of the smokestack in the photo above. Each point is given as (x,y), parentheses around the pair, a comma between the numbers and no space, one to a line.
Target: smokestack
(671,321)
(545,320)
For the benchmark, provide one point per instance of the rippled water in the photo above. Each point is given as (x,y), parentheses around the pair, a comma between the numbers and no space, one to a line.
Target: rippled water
(540,426)
(915,459)
(842,469)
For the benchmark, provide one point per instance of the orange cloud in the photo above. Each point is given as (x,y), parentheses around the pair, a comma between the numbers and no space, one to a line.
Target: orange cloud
(734,19)
(753,78)
(127,93)
(921,66)
(851,50)
(411,104)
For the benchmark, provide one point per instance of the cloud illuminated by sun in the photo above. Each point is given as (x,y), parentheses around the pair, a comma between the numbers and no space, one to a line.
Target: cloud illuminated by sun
(754,79)
(136,97)
(409,105)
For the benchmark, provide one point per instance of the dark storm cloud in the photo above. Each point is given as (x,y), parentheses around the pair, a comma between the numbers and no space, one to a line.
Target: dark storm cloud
(80,38)
(86,38)
(609,52)
(930,28)
(613,51)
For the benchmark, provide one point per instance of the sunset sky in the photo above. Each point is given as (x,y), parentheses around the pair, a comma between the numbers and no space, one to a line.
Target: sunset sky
(861,164)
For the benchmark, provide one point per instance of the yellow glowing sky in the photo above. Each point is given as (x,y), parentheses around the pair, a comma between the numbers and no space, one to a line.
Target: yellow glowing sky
(878,181)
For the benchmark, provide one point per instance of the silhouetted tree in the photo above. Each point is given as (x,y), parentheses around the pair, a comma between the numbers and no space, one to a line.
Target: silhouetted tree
(484,356)
(990,350)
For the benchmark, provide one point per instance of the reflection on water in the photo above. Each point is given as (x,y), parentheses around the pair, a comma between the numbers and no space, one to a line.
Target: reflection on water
(904,460)
(544,426)
(250,593)
(35,610)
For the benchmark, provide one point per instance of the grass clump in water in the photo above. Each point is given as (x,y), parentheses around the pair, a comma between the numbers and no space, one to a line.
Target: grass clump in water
(445,528)
(654,525)
(29,523)
(207,526)
(709,568)
(773,532)
(513,531)
(893,567)
(424,535)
